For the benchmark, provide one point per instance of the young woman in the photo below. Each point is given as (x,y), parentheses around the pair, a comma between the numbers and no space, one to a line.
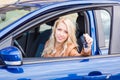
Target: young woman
(63,43)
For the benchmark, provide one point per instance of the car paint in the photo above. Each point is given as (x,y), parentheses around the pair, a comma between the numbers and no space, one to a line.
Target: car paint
(68,69)
(61,69)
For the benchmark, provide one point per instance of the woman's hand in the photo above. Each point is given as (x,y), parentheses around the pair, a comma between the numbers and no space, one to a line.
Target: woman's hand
(89,41)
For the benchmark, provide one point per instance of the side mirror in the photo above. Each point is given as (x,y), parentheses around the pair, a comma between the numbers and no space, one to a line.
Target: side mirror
(11,56)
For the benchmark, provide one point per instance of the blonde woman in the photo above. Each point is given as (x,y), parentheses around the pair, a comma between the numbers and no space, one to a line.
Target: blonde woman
(63,43)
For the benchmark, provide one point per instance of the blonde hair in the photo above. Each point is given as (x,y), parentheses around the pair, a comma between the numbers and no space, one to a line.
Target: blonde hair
(71,36)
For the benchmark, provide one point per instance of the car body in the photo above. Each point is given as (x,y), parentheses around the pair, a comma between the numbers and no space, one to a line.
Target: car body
(22,41)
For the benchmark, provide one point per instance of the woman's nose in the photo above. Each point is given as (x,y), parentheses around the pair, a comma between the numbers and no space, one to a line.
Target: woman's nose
(62,33)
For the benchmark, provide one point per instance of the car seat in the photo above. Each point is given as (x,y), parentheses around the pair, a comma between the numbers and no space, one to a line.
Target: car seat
(42,38)
(80,29)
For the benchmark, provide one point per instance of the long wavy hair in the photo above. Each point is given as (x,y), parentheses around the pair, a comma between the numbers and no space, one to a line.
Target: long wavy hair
(49,48)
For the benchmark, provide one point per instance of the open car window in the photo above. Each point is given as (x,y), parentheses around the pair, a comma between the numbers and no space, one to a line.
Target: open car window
(32,41)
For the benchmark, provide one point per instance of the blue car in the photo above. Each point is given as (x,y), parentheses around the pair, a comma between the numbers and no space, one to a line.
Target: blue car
(24,34)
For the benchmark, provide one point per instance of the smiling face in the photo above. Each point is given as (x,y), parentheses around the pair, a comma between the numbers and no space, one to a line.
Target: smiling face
(61,33)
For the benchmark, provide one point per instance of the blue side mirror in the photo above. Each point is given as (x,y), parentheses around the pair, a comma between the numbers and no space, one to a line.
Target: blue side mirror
(11,56)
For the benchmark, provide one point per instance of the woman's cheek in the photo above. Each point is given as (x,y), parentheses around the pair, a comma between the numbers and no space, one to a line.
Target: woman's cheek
(66,35)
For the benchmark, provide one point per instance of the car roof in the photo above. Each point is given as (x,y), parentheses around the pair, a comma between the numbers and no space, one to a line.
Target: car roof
(42,3)
(28,3)
(39,3)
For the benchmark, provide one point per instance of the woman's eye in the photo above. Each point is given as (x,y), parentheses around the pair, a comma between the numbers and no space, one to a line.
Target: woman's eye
(66,32)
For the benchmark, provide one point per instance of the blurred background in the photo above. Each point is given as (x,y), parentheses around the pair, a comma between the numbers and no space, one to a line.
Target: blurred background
(5,2)
(10,13)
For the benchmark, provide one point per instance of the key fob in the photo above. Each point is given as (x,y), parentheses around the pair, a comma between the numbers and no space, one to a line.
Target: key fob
(83,41)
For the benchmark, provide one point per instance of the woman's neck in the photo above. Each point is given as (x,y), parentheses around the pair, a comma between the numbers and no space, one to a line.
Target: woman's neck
(58,45)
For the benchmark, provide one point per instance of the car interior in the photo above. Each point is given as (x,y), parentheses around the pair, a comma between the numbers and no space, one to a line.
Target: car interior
(32,42)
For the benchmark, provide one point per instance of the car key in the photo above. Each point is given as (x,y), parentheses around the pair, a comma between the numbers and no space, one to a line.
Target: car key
(83,41)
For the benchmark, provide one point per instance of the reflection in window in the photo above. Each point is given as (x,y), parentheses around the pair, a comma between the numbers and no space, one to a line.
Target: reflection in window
(105,18)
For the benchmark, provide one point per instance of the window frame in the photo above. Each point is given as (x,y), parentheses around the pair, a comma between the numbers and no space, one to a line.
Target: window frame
(100,31)
(43,18)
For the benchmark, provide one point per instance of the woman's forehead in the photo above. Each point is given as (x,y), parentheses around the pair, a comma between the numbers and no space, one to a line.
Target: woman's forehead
(62,25)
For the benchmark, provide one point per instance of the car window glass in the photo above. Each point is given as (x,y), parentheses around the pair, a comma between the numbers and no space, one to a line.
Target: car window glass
(103,20)
(105,16)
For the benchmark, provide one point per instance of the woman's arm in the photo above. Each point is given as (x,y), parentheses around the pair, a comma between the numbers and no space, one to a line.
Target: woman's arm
(85,51)
(74,52)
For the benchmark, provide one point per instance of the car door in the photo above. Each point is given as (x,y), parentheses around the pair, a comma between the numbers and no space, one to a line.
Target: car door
(89,20)
(35,67)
